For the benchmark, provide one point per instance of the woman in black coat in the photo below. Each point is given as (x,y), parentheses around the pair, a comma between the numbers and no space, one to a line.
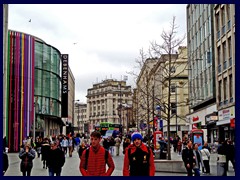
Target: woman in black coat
(27,154)
(45,150)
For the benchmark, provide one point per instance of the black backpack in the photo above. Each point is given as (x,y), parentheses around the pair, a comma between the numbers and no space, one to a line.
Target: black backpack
(87,155)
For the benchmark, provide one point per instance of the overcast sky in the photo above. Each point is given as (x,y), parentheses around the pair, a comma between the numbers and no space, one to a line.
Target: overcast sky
(102,40)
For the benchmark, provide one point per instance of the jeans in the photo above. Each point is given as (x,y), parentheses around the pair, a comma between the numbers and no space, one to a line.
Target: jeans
(52,172)
(196,172)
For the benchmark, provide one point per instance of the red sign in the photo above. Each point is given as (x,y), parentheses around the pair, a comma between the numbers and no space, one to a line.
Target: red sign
(232,123)
(195,118)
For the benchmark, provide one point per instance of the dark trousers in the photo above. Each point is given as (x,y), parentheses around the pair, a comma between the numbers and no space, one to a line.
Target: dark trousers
(206,165)
(28,172)
(189,171)
(52,171)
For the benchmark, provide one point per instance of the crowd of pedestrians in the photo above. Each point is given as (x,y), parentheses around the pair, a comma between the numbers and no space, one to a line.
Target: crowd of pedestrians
(95,156)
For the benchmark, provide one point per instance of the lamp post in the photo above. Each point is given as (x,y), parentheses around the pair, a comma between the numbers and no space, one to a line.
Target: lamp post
(120,105)
(82,121)
(78,118)
(153,109)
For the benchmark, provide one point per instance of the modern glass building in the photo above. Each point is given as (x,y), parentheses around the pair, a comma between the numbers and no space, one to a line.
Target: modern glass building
(47,89)
(33,89)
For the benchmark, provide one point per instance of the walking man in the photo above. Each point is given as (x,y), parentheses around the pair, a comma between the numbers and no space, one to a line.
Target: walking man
(118,143)
(94,159)
(138,159)
(55,160)
(187,157)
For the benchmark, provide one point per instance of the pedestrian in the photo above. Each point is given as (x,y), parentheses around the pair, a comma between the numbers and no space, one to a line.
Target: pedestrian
(179,147)
(117,144)
(175,142)
(221,159)
(231,154)
(197,160)
(38,146)
(187,157)
(106,143)
(126,143)
(206,158)
(112,144)
(55,159)
(27,154)
(77,142)
(163,148)
(70,146)
(5,162)
(82,147)
(64,145)
(138,159)
(94,159)
(45,148)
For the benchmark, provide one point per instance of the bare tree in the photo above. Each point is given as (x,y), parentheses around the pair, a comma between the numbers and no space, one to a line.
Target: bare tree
(159,68)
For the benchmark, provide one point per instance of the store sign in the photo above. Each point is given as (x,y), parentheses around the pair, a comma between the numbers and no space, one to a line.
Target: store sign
(64,85)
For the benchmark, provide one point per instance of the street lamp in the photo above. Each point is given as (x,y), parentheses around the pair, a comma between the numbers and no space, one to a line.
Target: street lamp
(120,105)
(82,121)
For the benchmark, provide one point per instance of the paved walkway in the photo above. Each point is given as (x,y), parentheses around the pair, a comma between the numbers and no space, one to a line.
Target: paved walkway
(71,166)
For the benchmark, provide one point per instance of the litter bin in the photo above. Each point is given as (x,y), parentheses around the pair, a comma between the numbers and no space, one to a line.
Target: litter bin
(163,155)
(221,165)
(157,154)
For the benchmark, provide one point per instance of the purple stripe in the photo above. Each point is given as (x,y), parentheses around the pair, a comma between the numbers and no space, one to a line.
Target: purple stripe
(25,86)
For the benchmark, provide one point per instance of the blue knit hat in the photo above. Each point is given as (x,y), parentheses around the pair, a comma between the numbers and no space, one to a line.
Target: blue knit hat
(136,135)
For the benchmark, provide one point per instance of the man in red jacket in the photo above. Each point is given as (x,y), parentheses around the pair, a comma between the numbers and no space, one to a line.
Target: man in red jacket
(93,162)
(138,159)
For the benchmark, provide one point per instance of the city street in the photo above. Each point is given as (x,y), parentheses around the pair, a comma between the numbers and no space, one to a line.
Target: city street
(71,166)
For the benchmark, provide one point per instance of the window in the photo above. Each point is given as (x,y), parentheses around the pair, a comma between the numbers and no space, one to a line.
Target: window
(220,91)
(223,16)
(228,11)
(229,48)
(230,86)
(225,86)
(173,88)
(219,55)
(173,108)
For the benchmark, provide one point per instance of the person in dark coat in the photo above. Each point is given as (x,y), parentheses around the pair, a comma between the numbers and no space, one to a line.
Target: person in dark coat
(27,154)
(138,158)
(126,143)
(5,162)
(222,153)
(45,148)
(55,159)
(82,147)
(187,157)
(231,154)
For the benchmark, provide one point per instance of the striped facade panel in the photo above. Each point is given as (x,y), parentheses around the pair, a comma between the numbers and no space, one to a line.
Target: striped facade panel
(20,88)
